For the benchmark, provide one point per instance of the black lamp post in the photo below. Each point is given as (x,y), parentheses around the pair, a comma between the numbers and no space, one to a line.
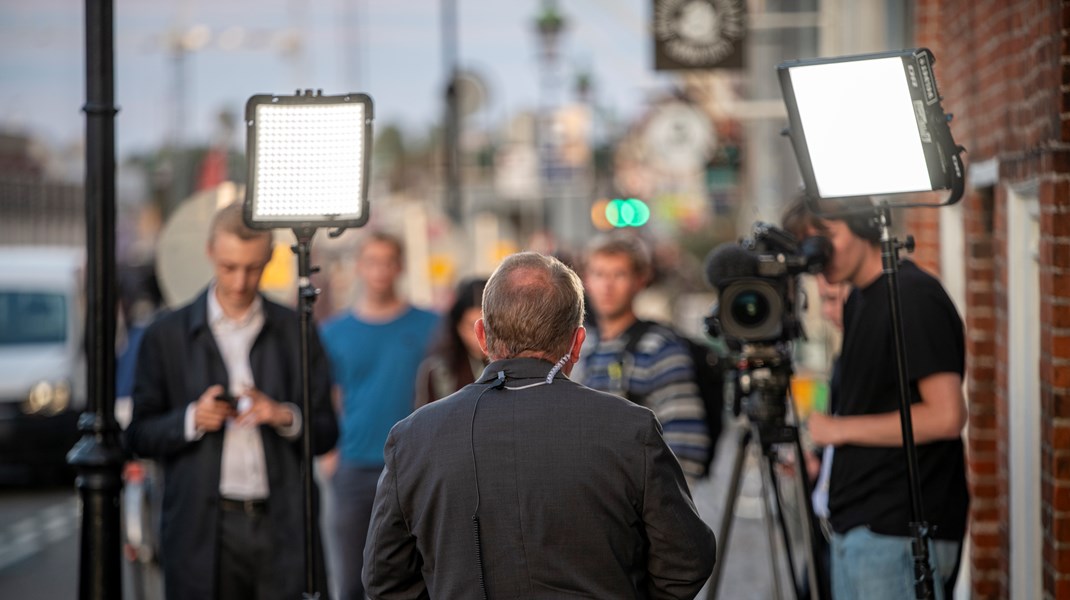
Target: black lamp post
(97,456)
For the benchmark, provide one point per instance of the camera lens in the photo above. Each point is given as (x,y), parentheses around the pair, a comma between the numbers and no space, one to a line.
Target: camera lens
(749,308)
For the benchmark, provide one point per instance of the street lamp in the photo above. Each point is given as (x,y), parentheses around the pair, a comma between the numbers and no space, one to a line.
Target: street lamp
(549,24)
(309,159)
(872,125)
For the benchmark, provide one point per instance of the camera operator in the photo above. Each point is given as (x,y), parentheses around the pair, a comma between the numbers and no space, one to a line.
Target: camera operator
(868,500)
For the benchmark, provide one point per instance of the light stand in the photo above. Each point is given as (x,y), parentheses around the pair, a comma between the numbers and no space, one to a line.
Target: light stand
(309,160)
(887,104)
(306,297)
(919,527)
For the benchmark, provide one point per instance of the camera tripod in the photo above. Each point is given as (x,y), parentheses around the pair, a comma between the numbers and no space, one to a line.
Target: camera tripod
(765,426)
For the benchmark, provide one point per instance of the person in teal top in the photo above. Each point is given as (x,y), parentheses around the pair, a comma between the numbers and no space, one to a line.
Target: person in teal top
(375,350)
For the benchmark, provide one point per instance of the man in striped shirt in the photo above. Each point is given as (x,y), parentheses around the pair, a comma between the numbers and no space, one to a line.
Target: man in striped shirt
(643,361)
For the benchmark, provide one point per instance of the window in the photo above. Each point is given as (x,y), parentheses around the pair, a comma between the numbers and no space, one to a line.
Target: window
(32,318)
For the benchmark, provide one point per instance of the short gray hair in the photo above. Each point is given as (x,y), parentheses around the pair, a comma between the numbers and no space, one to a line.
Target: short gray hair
(532,303)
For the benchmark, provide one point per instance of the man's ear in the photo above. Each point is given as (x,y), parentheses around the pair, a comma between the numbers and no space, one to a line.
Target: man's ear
(577,343)
(481,335)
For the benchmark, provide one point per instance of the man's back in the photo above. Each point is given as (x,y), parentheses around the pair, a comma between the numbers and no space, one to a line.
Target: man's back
(577,495)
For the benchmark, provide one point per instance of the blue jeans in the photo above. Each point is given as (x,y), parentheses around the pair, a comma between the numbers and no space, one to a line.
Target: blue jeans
(354,494)
(870,566)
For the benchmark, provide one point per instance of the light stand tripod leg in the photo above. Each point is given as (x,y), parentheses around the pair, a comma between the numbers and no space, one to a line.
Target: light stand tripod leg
(729,512)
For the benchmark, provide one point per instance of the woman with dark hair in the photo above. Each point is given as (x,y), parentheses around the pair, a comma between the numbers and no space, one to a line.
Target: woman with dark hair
(454,359)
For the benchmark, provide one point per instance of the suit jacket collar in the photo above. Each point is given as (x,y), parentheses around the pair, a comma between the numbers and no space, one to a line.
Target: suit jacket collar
(518,368)
(198,311)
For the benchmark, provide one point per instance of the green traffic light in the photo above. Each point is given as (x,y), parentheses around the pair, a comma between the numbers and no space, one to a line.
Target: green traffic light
(630,212)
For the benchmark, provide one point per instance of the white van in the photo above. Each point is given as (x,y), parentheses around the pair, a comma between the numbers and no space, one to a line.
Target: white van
(42,357)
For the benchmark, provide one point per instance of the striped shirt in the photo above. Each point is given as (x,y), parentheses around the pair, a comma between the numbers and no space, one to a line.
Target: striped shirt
(659,375)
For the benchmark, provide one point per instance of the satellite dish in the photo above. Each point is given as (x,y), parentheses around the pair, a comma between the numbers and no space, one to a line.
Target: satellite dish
(182,265)
(471,93)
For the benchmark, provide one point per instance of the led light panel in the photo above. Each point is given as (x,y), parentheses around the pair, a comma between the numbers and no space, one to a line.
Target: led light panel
(858,119)
(308,161)
(869,125)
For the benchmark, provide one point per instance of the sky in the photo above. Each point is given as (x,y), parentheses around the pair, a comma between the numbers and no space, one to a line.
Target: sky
(389,49)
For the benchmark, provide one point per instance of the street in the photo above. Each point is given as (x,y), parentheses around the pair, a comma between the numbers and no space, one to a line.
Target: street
(38,542)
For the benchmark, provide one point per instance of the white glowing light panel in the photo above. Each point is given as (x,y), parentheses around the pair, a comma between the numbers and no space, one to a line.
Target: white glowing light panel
(861,129)
(309,162)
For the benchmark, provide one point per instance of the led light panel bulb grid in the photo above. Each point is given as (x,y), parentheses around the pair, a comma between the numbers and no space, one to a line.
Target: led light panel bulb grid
(308,160)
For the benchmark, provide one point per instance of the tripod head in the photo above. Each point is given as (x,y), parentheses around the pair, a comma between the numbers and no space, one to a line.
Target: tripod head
(763,378)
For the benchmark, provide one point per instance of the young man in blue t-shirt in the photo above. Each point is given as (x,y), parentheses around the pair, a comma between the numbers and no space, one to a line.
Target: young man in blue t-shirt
(375,350)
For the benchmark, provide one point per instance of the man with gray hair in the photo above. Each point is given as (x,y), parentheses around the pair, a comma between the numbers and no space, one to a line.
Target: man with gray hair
(526,484)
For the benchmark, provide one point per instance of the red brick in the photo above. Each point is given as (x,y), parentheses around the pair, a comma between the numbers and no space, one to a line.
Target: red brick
(982,421)
(1061,464)
(1057,496)
(1060,378)
(982,467)
(1058,346)
(979,445)
(1057,435)
(1061,588)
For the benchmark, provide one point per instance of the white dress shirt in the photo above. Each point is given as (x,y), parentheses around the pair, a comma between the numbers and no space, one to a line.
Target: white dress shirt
(243,470)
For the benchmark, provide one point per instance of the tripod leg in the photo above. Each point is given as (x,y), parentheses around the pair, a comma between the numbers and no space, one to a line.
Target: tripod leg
(820,584)
(779,515)
(728,515)
(769,483)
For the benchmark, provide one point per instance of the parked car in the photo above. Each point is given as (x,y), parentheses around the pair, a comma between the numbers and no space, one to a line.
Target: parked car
(42,358)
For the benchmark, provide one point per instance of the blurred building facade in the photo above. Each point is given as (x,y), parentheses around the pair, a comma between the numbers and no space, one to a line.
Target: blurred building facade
(36,206)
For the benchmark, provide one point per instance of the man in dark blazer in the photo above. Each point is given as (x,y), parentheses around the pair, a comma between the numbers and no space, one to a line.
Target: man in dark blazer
(214,402)
(526,484)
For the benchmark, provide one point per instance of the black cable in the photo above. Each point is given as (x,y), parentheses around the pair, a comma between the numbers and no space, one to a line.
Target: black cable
(499,383)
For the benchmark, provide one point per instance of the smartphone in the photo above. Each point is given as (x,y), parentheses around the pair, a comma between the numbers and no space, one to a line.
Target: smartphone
(225,397)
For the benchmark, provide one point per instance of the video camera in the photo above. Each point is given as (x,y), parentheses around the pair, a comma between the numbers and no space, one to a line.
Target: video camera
(757,315)
(755,281)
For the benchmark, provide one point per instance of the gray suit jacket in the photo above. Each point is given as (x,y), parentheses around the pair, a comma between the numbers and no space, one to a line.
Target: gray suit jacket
(577,495)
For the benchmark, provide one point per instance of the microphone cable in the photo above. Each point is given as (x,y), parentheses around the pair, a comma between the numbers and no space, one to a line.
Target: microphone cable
(498,384)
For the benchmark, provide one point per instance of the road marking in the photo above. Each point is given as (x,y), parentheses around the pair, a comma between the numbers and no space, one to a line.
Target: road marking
(26,537)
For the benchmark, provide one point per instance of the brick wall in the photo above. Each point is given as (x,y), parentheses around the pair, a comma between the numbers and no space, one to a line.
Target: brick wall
(1004,69)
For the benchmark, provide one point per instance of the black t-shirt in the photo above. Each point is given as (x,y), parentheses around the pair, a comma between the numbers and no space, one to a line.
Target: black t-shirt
(869,484)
